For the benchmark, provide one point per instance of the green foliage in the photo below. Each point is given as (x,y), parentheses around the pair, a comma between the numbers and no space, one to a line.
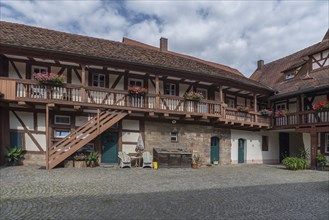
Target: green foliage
(14,154)
(295,163)
(321,159)
(92,158)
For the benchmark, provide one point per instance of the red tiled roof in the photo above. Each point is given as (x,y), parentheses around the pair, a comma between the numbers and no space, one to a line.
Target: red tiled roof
(216,65)
(34,38)
(273,76)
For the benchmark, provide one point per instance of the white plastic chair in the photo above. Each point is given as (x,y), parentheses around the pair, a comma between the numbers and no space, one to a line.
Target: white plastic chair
(125,160)
(147,159)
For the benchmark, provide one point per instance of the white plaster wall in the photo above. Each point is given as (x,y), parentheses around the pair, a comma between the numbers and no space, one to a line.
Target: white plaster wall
(130,136)
(253,147)
(128,148)
(307,145)
(130,125)
(81,120)
(151,88)
(182,88)
(41,121)
(113,78)
(30,145)
(26,117)
(75,79)
(21,68)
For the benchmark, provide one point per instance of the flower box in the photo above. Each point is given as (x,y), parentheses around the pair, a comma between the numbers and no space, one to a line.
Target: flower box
(242,108)
(49,78)
(321,105)
(136,90)
(193,96)
(266,113)
(280,113)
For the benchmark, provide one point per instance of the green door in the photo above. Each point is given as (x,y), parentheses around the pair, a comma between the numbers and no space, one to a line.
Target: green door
(241,151)
(214,149)
(110,147)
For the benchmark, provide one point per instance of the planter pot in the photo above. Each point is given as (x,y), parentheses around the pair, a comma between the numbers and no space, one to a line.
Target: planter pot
(80,164)
(92,164)
(195,166)
(190,99)
(68,164)
(319,166)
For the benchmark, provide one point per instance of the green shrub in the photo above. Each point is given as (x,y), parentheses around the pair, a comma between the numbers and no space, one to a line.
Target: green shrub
(14,155)
(295,163)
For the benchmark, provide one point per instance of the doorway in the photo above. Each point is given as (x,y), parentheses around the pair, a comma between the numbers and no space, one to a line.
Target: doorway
(284,145)
(110,147)
(214,149)
(241,150)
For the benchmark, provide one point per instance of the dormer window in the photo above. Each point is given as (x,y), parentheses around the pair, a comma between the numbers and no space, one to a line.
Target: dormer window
(290,75)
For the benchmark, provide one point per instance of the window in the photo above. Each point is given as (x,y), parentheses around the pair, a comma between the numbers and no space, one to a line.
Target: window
(62,120)
(173,137)
(98,80)
(326,142)
(280,106)
(230,103)
(136,82)
(170,89)
(16,139)
(204,92)
(264,143)
(290,75)
(61,133)
(39,69)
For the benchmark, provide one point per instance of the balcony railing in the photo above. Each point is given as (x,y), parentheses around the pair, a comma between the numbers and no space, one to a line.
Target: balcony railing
(302,118)
(28,90)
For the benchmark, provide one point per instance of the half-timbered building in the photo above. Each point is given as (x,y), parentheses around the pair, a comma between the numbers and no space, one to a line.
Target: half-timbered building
(98,108)
(301,84)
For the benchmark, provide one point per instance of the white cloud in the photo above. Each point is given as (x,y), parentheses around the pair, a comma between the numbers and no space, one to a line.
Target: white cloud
(231,33)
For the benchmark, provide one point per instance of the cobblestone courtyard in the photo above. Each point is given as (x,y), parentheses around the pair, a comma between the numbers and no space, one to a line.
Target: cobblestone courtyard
(229,192)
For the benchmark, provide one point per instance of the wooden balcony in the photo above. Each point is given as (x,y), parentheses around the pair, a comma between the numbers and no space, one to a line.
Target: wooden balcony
(302,119)
(151,104)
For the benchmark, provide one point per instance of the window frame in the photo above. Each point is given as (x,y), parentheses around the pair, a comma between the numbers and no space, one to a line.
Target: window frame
(290,75)
(265,143)
(98,80)
(280,104)
(33,67)
(135,80)
(61,131)
(61,123)
(227,101)
(172,91)
(174,136)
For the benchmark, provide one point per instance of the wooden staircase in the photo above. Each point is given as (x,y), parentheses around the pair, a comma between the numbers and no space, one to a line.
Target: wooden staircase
(81,136)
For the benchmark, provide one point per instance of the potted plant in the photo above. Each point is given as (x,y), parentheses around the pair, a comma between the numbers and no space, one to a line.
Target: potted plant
(92,159)
(137,90)
(14,155)
(80,160)
(280,113)
(266,112)
(194,96)
(320,161)
(242,108)
(49,78)
(318,106)
(195,160)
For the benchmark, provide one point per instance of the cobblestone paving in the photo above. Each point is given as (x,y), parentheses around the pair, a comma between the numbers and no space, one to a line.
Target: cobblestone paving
(223,192)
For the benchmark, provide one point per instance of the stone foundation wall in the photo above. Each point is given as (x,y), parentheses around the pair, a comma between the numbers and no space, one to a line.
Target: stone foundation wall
(190,136)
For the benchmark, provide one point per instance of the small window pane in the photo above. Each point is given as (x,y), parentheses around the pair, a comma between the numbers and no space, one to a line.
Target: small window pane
(173,136)
(62,119)
(61,133)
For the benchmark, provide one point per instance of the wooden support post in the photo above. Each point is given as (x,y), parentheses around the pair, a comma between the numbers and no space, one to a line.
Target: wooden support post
(98,121)
(157,92)
(221,95)
(47,137)
(314,146)
(255,107)
(83,83)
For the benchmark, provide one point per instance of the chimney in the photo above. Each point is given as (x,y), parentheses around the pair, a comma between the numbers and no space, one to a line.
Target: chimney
(163,44)
(260,64)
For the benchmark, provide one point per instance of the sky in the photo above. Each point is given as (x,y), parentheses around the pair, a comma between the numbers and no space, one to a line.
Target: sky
(233,33)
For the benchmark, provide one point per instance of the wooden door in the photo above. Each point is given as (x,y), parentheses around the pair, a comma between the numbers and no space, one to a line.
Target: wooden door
(110,147)
(214,149)
(241,151)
